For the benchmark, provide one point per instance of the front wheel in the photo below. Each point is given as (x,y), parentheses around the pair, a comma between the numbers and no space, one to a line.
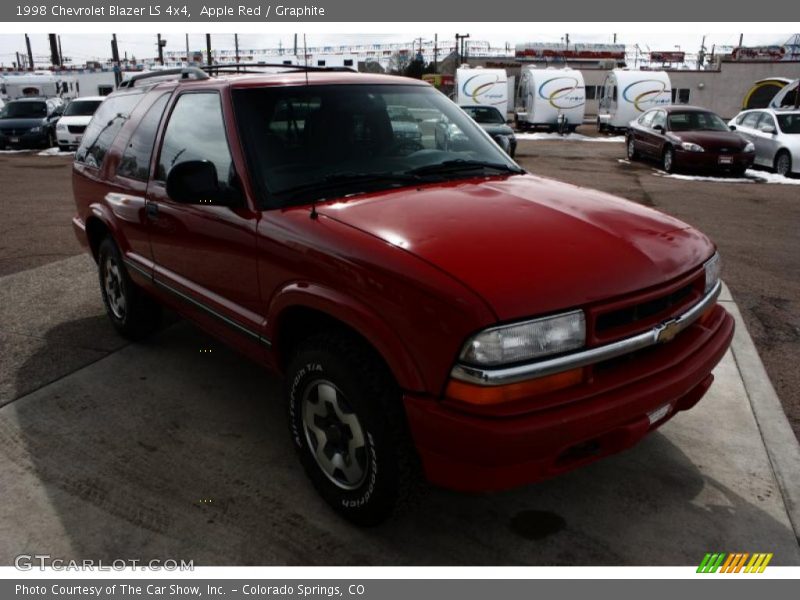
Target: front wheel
(349,428)
(783,163)
(668,160)
(133,314)
(631,148)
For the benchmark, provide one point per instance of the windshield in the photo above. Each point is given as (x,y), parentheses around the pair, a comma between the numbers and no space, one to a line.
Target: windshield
(488,115)
(789,123)
(696,121)
(24,110)
(82,108)
(312,142)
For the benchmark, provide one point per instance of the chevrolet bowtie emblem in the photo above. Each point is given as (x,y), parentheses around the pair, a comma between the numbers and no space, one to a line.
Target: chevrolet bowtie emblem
(666,331)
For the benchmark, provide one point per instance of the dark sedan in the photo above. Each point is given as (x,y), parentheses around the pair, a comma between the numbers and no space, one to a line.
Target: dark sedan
(494,123)
(688,138)
(29,123)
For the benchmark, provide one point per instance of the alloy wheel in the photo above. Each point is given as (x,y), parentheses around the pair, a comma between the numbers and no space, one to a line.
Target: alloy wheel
(115,292)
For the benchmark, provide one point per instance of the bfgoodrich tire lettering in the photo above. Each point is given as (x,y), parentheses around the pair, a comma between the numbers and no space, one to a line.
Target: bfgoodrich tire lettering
(362,410)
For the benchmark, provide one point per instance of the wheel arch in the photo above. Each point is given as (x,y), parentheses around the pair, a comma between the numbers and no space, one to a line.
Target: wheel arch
(301,309)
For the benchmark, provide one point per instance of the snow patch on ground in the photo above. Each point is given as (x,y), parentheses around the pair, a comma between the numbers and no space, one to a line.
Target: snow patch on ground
(570,137)
(750,176)
(54,152)
(13,151)
(623,161)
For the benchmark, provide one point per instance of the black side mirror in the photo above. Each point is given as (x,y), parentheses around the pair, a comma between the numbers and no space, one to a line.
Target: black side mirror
(733,127)
(196,182)
(658,128)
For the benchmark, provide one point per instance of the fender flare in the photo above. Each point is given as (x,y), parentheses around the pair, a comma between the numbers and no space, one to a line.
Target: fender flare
(356,315)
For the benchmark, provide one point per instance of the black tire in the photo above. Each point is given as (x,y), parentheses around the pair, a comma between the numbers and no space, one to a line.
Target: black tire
(51,139)
(330,369)
(668,160)
(630,148)
(738,171)
(783,163)
(137,315)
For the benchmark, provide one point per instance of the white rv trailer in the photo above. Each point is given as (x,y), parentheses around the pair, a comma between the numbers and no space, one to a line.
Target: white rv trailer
(551,98)
(788,97)
(43,84)
(477,85)
(627,94)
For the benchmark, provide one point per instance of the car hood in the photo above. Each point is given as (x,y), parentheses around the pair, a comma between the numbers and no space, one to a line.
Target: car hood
(497,129)
(75,120)
(713,140)
(530,245)
(20,123)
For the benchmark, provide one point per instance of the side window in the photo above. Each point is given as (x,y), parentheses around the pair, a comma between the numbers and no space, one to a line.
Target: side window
(647,118)
(766,119)
(750,119)
(135,161)
(660,118)
(104,127)
(196,131)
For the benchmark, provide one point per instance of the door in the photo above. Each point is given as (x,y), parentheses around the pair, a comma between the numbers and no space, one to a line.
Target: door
(656,137)
(746,126)
(765,139)
(640,132)
(204,255)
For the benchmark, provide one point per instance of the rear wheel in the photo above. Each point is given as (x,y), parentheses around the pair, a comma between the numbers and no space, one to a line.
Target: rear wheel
(630,147)
(132,312)
(668,159)
(783,163)
(349,428)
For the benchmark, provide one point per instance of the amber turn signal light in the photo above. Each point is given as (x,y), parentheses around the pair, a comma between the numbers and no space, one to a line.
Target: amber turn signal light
(486,394)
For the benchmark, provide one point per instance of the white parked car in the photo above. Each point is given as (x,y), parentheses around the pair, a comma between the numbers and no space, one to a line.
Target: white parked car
(776,136)
(70,127)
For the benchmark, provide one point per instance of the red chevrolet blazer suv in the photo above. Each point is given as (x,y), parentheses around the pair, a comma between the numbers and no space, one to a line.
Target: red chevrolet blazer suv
(435,311)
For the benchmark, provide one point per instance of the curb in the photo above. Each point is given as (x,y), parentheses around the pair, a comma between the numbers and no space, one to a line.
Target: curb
(782,446)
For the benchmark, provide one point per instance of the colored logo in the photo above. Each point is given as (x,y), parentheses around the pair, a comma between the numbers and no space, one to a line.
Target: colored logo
(734,563)
(481,93)
(646,94)
(567,92)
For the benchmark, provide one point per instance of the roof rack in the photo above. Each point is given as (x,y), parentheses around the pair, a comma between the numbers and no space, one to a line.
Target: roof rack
(252,67)
(184,72)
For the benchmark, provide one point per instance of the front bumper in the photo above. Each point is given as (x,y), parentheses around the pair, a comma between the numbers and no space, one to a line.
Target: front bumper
(710,161)
(70,140)
(471,452)
(25,140)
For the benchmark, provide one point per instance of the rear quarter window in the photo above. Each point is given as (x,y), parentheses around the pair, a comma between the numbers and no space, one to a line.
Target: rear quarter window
(104,127)
(135,162)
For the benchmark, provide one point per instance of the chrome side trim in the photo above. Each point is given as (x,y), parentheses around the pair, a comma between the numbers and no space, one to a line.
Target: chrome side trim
(661,333)
(186,298)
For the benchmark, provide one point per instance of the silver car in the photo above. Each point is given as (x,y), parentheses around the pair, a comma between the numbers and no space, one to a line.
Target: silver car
(776,136)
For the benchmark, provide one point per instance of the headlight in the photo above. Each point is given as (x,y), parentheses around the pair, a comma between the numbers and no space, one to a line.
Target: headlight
(35,129)
(61,127)
(712,267)
(692,147)
(525,341)
(749,147)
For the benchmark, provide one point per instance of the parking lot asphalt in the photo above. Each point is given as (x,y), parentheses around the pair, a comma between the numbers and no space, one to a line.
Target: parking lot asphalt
(159,450)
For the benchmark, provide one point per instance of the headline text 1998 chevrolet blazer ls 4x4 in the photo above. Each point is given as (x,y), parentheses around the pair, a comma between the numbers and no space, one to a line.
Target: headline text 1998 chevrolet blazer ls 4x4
(431,309)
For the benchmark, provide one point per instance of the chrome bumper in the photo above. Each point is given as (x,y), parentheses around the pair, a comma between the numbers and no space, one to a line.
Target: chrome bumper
(663,332)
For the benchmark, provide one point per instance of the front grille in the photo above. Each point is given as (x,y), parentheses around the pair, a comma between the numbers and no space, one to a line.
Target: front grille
(630,315)
(76,128)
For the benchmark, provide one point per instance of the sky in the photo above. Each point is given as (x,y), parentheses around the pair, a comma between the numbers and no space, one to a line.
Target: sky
(96,46)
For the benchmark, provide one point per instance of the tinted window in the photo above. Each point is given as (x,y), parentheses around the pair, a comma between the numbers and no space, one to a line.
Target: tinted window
(196,131)
(750,119)
(790,123)
(104,127)
(485,114)
(135,161)
(695,120)
(81,108)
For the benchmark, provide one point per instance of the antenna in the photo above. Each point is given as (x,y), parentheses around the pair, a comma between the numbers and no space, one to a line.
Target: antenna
(305,57)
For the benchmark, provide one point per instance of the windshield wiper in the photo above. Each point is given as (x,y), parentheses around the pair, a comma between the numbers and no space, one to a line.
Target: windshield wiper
(462,164)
